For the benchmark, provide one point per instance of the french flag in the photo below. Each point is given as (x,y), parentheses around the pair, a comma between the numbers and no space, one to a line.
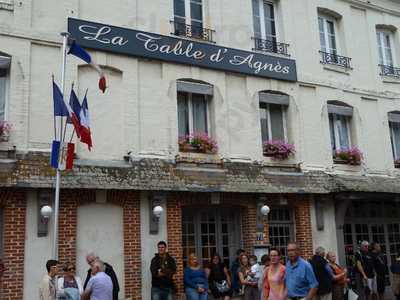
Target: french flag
(76,108)
(78,51)
(86,136)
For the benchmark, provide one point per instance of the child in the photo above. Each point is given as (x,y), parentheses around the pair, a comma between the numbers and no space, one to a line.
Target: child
(256,271)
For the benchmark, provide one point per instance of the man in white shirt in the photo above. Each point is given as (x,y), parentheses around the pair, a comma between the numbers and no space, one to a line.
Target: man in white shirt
(100,286)
(47,288)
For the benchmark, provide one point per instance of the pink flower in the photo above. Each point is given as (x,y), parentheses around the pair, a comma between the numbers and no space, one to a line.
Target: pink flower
(198,141)
(352,156)
(278,149)
(5,128)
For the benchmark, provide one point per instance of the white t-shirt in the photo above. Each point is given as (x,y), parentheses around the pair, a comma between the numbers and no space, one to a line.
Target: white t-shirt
(256,269)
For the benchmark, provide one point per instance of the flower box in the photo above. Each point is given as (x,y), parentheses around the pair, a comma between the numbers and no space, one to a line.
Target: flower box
(278,149)
(5,128)
(352,156)
(198,142)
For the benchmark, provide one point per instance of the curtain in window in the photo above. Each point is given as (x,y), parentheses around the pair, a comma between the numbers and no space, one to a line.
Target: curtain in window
(199,113)
(2,94)
(342,124)
(331,37)
(277,126)
(322,34)
(332,131)
(256,19)
(395,139)
(384,48)
(269,22)
(264,123)
(327,35)
(183,114)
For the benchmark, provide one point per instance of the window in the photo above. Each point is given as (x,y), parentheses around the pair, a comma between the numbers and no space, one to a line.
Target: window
(394,126)
(327,34)
(273,116)
(4,73)
(193,112)
(264,20)
(188,12)
(281,229)
(339,126)
(384,38)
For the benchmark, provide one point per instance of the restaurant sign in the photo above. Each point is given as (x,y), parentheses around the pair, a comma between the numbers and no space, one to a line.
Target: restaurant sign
(183,51)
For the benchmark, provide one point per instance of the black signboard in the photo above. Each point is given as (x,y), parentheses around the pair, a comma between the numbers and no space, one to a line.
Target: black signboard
(166,48)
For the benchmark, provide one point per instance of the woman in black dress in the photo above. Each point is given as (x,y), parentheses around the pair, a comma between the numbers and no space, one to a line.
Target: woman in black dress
(219,279)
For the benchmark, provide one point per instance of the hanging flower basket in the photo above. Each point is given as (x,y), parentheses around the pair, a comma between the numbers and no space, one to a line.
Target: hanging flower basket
(278,149)
(198,142)
(5,129)
(352,156)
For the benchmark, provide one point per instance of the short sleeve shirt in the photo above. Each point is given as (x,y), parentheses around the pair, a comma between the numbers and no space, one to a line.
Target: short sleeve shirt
(299,278)
(101,287)
(367,263)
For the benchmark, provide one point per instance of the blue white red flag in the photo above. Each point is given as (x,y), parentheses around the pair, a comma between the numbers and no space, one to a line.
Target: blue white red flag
(86,135)
(76,108)
(60,109)
(78,51)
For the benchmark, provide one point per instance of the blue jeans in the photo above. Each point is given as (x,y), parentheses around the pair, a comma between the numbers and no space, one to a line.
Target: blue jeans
(161,294)
(193,294)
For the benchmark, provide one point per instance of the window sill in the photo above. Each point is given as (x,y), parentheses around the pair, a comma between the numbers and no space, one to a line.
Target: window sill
(337,69)
(390,79)
(343,162)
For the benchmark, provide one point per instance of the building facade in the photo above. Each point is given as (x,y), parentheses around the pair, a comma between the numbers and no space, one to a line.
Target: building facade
(322,76)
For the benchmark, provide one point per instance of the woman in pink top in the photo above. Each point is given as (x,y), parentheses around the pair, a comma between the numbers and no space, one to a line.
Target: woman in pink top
(274,278)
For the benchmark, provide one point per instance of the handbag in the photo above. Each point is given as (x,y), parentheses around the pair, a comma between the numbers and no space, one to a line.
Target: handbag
(222,286)
(351,295)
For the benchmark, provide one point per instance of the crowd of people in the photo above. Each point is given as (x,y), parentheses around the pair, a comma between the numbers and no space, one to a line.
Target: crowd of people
(320,278)
(101,282)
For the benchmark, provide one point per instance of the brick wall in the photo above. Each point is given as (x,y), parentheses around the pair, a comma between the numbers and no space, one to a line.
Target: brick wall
(248,205)
(13,203)
(129,200)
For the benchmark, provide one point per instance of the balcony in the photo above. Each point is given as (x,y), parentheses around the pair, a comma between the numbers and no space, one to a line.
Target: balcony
(336,60)
(270,46)
(192,31)
(390,71)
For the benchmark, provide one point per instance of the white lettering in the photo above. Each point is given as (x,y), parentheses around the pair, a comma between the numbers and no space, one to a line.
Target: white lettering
(97,34)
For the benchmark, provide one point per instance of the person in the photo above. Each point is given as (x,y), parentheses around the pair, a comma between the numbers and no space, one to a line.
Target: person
(100,285)
(47,288)
(365,277)
(265,261)
(340,278)
(323,274)
(234,271)
(250,287)
(300,280)
(256,269)
(195,280)
(395,269)
(69,286)
(163,268)
(90,259)
(219,279)
(381,269)
(274,279)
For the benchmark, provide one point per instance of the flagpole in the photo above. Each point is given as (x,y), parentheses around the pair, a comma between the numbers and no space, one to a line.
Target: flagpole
(58,172)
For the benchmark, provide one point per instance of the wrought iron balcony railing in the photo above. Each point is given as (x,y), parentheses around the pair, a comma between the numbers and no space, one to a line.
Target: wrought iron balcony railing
(270,46)
(334,59)
(389,71)
(193,31)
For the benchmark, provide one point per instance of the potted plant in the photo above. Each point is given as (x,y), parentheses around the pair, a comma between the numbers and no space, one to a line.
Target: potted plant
(198,142)
(5,128)
(352,156)
(278,149)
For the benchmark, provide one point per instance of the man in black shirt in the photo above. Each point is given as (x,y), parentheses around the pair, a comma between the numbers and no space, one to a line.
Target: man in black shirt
(163,268)
(366,282)
(381,269)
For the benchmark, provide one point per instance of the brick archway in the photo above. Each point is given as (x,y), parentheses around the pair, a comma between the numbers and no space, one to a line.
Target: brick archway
(130,202)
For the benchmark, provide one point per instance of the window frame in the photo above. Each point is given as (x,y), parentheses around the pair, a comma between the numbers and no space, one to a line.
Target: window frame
(190,111)
(284,120)
(263,34)
(325,19)
(6,93)
(336,125)
(381,34)
(188,14)
(393,140)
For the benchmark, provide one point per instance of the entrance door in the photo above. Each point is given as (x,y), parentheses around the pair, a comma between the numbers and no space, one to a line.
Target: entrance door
(206,231)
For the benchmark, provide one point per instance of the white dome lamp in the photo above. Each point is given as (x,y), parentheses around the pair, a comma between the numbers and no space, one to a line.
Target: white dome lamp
(265,210)
(46,212)
(158,211)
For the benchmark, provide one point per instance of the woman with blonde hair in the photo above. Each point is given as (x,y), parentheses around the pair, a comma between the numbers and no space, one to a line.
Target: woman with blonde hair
(195,280)
(69,286)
